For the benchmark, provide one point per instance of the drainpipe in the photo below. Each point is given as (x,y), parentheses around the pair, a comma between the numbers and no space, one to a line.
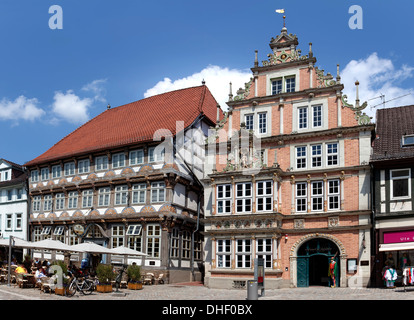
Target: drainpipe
(192,236)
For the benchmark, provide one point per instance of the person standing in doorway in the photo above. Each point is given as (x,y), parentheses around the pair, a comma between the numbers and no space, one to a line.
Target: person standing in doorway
(333,272)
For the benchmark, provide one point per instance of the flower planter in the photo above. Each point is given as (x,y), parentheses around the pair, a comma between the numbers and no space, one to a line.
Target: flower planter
(61,291)
(104,288)
(134,286)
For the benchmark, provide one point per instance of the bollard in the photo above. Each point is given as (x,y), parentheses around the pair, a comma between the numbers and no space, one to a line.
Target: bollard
(252,290)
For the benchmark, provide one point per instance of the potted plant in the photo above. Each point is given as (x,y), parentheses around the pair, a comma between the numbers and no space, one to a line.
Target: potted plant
(105,276)
(134,277)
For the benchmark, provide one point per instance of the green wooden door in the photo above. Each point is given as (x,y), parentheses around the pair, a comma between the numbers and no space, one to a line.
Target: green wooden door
(303,272)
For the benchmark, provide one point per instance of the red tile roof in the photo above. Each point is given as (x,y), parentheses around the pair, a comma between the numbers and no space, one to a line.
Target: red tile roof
(391,125)
(134,123)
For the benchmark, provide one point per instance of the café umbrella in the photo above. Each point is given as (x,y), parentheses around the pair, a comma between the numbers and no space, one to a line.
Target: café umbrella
(126,251)
(90,247)
(16,243)
(49,244)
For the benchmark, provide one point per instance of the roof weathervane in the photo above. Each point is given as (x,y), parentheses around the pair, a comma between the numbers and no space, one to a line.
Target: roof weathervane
(284,17)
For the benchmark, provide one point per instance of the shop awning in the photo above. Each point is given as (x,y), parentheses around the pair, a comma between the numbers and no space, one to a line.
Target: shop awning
(396,246)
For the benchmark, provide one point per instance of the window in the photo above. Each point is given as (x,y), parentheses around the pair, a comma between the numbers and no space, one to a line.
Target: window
(317,116)
(60,201)
(44,173)
(224,199)
(104,196)
(87,198)
(101,163)
(316,156)
(134,230)
(290,84)
(34,175)
(58,231)
(117,236)
(47,203)
(37,233)
(69,168)
(83,166)
(333,194)
(72,200)
(317,195)
(136,157)
(175,243)
(332,154)
(56,172)
(400,183)
(121,195)
(138,193)
(243,253)
(157,192)
(46,231)
(19,193)
(302,118)
(9,221)
(264,251)
(10,195)
(264,195)
(134,238)
(243,197)
(156,154)
(301,197)
(36,203)
(408,140)
(153,240)
(301,157)
(248,119)
(223,253)
(262,122)
(186,245)
(276,86)
(118,160)
(19,221)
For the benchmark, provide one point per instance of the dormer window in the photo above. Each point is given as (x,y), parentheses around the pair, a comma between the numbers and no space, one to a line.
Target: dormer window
(408,141)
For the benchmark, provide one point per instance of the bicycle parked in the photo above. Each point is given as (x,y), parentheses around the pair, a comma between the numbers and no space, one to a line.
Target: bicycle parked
(84,285)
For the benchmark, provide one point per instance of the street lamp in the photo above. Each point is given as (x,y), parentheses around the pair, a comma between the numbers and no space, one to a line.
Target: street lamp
(11,244)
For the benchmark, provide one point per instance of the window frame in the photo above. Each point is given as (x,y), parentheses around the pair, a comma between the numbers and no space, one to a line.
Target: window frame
(226,201)
(334,155)
(317,196)
(303,118)
(84,166)
(243,253)
(156,188)
(101,163)
(264,199)
(245,200)
(332,195)
(302,197)
(392,179)
(224,253)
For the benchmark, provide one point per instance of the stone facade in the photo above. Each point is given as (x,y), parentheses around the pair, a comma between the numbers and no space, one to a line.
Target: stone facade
(290,171)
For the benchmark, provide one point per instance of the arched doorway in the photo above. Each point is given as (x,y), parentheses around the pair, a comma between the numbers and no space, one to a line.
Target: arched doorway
(313,258)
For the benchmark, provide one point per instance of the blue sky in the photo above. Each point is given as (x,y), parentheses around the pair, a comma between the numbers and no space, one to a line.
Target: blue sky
(116,52)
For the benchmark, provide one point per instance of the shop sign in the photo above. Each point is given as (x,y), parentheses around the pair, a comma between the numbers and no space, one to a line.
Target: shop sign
(399,237)
(78,229)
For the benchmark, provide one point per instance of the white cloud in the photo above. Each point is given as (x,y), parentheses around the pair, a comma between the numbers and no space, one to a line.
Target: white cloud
(217,80)
(377,76)
(96,87)
(21,108)
(68,106)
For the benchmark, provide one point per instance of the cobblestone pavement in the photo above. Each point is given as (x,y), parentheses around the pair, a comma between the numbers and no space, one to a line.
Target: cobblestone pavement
(174,292)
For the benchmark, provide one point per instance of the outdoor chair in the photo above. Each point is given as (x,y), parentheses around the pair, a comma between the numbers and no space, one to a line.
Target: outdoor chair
(149,278)
(160,279)
(47,284)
